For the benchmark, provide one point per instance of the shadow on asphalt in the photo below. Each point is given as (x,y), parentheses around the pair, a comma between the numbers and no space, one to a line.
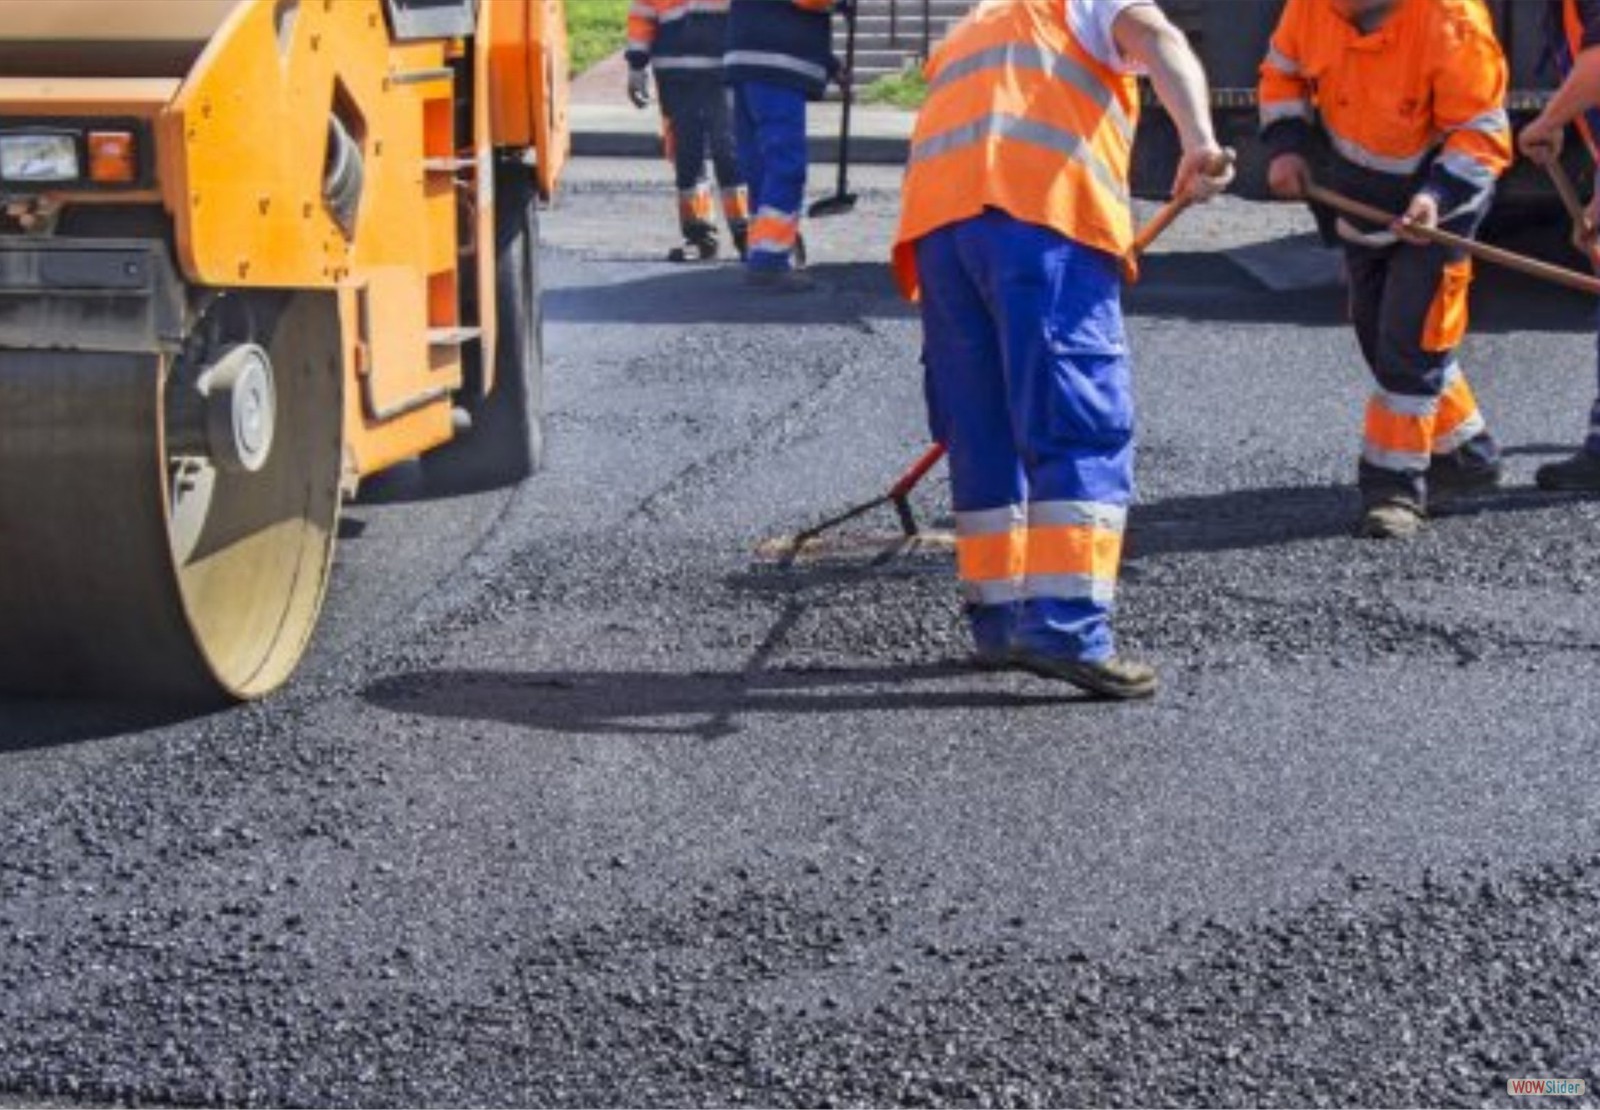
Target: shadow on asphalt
(1211,287)
(1245,519)
(708,704)
(35,724)
(1198,286)
(719,295)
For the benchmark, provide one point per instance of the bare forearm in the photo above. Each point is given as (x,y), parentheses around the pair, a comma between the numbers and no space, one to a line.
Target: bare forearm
(1179,80)
(1578,94)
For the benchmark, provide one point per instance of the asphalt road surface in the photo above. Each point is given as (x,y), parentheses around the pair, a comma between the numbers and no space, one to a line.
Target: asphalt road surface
(578,802)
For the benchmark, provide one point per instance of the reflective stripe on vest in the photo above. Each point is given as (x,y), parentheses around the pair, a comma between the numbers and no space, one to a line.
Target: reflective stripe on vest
(1021,118)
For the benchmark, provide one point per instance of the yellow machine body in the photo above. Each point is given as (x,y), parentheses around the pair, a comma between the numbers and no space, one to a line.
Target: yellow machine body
(244,113)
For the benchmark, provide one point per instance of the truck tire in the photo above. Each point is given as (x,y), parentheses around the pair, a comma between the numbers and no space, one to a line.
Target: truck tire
(505,443)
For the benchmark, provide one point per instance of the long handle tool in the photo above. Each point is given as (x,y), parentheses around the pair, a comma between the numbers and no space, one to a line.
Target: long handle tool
(843,200)
(1532,267)
(1583,231)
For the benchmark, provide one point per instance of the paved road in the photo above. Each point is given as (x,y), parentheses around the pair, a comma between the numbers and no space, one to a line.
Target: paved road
(579,803)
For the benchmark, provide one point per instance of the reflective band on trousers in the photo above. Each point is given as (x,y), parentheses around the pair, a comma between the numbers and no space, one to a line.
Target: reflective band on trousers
(1017,129)
(774,231)
(989,554)
(1061,550)
(762,59)
(1459,421)
(1016,55)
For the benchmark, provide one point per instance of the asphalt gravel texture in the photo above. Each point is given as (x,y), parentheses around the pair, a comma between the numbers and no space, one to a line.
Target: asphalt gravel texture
(580,802)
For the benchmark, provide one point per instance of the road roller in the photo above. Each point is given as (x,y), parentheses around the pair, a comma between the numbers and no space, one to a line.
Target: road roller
(252,252)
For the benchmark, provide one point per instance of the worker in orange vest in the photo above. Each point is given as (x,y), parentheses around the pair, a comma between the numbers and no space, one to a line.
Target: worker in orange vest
(683,40)
(1015,224)
(1577,37)
(1410,96)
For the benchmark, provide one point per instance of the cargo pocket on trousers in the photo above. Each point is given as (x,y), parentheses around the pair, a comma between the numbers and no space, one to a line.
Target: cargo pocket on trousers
(1447,317)
(1091,399)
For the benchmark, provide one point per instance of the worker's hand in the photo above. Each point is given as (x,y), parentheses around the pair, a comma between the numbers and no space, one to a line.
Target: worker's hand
(1587,237)
(1289,177)
(1204,173)
(1542,142)
(639,87)
(1423,213)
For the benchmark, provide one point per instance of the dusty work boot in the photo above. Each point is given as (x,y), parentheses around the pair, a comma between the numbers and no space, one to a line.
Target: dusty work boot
(780,281)
(1449,479)
(1391,520)
(699,248)
(1578,474)
(1116,678)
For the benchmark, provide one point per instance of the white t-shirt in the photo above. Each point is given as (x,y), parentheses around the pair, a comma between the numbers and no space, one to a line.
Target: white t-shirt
(1092,20)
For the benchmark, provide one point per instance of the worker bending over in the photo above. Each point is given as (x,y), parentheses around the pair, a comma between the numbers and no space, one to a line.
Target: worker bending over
(1578,100)
(1016,222)
(780,55)
(684,40)
(1411,97)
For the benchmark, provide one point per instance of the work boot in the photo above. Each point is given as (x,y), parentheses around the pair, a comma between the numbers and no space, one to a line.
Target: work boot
(780,281)
(698,248)
(1391,520)
(1578,474)
(741,239)
(1116,678)
(1449,479)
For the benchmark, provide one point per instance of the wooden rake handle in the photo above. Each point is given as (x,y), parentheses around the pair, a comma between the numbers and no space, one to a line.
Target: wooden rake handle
(1532,267)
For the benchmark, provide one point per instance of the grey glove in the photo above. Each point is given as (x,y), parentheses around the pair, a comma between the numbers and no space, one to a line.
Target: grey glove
(639,87)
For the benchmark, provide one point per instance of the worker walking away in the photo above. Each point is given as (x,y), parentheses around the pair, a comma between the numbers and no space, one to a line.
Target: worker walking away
(780,55)
(1577,40)
(1015,224)
(684,40)
(1410,95)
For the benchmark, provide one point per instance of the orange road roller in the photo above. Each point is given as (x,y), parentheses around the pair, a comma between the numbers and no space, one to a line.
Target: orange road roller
(251,252)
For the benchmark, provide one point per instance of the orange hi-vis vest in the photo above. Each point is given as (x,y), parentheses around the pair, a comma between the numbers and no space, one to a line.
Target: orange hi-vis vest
(1020,117)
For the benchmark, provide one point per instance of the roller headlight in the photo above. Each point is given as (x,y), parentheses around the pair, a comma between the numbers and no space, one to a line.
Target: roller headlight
(39,159)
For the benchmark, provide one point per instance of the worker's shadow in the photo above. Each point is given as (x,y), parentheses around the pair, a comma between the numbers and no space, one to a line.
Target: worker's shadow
(845,294)
(1225,287)
(709,705)
(1241,520)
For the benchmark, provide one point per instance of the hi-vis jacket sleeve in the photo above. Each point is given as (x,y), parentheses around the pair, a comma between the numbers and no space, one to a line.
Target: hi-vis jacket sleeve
(815,5)
(1285,93)
(1469,110)
(643,22)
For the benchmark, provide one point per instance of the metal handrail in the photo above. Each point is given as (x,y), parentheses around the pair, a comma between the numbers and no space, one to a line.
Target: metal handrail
(926,7)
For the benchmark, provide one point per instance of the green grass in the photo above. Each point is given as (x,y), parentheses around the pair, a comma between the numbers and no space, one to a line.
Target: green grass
(906,89)
(598,29)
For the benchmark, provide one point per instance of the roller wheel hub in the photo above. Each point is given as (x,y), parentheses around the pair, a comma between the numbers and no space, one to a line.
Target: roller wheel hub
(241,409)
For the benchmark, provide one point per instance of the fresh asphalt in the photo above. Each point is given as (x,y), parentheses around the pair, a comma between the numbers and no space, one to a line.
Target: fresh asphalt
(580,803)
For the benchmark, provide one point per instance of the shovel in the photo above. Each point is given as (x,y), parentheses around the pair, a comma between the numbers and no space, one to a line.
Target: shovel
(843,200)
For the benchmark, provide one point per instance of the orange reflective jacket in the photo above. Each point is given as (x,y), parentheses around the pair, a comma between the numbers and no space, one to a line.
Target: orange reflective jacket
(1430,83)
(673,35)
(1022,118)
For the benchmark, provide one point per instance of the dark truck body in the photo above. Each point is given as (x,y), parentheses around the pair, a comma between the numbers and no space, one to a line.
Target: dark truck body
(1231,36)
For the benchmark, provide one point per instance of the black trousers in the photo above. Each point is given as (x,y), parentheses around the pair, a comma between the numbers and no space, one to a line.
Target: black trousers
(700,129)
